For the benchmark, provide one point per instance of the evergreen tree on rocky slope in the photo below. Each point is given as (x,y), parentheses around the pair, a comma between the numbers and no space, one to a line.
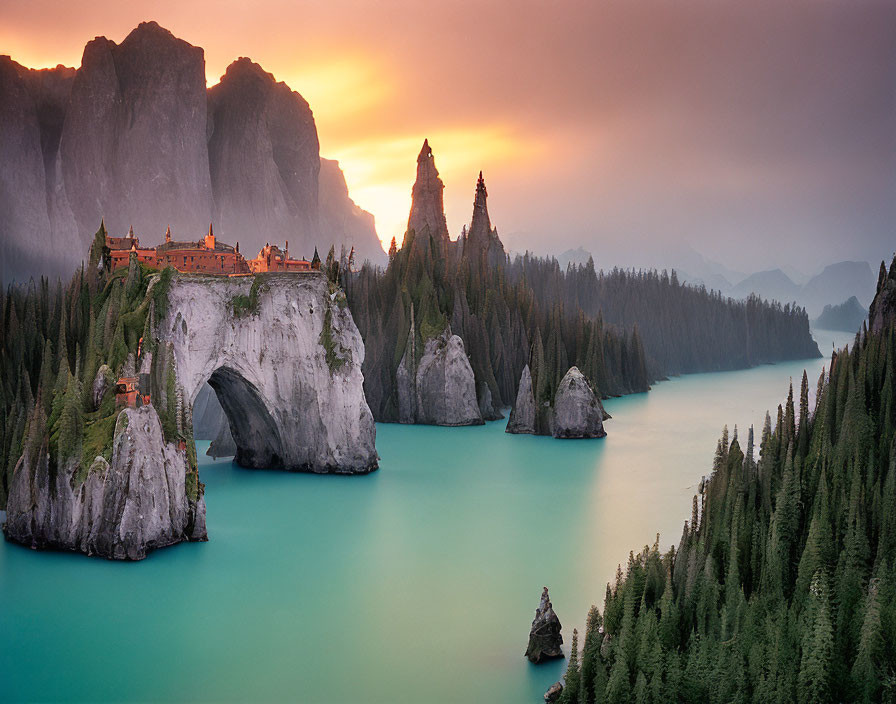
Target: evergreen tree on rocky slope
(783,585)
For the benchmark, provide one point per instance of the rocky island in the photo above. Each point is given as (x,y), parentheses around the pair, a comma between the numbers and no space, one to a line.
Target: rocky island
(576,411)
(544,636)
(109,468)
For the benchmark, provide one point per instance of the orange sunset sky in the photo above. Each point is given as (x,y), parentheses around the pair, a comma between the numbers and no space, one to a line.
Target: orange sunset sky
(758,133)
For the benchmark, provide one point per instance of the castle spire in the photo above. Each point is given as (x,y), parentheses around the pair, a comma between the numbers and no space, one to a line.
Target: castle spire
(131,232)
(168,234)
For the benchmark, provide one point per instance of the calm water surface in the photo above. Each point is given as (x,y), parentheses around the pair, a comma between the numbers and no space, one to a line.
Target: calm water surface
(417,583)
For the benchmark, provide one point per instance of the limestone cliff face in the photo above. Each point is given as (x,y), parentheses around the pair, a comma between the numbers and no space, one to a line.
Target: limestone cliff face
(577,412)
(342,221)
(440,389)
(134,136)
(253,118)
(486,404)
(122,509)
(286,367)
(133,147)
(32,107)
(522,416)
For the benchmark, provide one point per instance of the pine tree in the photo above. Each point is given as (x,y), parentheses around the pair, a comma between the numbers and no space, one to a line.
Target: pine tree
(573,684)
(818,645)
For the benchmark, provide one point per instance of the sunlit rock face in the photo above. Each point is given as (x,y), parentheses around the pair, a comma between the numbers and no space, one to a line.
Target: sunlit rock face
(440,388)
(121,509)
(252,117)
(134,146)
(286,368)
(577,412)
(342,221)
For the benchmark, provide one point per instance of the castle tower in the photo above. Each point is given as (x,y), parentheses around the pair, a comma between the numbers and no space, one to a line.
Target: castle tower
(168,234)
(210,238)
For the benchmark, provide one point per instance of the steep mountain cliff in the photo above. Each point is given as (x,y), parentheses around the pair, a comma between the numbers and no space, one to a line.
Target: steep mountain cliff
(133,136)
(263,156)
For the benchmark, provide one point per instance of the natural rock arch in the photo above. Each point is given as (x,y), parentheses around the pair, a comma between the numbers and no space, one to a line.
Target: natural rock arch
(284,357)
(257,439)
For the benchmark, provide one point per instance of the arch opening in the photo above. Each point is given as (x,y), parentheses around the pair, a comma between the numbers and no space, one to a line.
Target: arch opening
(253,430)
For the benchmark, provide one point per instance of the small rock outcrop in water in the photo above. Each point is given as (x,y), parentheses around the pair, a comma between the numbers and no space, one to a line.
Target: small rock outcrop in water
(554,693)
(440,389)
(544,636)
(119,510)
(486,404)
(577,412)
(522,417)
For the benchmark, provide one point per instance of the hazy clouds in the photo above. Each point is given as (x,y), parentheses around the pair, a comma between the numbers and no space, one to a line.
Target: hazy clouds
(759,133)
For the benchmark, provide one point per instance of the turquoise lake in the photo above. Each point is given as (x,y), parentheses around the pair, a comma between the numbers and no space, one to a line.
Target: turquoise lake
(417,583)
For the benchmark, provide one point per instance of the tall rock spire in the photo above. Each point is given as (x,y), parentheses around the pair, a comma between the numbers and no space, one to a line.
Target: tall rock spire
(482,244)
(481,225)
(427,204)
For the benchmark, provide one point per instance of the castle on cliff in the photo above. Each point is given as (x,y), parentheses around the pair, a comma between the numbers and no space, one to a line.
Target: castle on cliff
(205,256)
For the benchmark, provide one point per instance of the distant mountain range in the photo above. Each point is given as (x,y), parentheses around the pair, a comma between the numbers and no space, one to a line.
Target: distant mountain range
(135,137)
(830,287)
(835,284)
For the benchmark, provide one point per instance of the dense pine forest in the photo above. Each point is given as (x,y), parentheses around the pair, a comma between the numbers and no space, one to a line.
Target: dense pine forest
(61,349)
(498,321)
(624,330)
(783,586)
(684,328)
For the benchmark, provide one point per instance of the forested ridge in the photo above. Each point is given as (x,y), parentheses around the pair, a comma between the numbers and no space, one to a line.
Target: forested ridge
(498,321)
(782,586)
(623,329)
(684,328)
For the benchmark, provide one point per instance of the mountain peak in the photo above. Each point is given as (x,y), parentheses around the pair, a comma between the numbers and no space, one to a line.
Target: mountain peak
(246,67)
